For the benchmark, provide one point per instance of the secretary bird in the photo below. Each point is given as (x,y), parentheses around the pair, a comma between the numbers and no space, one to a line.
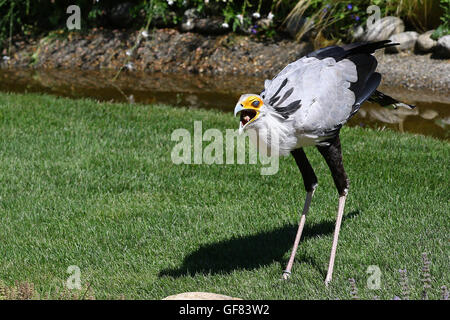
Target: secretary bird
(306,104)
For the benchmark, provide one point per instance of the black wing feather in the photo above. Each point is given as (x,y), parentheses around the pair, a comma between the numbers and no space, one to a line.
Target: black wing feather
(339,53)
(368,79)
(289,109)
(384,100)
(371,85)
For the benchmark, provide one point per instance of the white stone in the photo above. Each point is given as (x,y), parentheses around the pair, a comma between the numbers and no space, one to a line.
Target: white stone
(187,26)
(384,28)
(407,41)
(429,114)
(357,33)
(425,43)
(199,296)
(443,47)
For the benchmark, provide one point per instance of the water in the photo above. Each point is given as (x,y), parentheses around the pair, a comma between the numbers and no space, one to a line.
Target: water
(430,117)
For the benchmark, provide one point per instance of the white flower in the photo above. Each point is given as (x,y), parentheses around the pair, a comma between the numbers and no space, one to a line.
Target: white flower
(225,25)
(144,33)
(270,16)
(6,58)
(170,2)
(240,18)
(128,52)
(206,1)
(256,15)
(129,66)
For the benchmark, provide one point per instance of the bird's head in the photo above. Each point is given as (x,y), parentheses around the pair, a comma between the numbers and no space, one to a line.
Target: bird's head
(250,107)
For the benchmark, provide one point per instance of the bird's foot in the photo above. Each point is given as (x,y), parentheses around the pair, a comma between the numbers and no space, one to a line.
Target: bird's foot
(327,280)
(286,275)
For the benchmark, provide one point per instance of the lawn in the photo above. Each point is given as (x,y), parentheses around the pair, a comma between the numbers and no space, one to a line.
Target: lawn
(93,185)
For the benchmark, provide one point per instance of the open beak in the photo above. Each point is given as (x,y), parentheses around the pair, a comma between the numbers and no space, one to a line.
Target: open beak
(239,107)
(246,116)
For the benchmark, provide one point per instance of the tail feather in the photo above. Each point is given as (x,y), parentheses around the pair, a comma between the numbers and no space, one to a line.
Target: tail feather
(386,101)
(367,47)
(342,52)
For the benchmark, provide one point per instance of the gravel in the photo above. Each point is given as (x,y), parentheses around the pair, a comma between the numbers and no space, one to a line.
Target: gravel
(414,71)
(170,51)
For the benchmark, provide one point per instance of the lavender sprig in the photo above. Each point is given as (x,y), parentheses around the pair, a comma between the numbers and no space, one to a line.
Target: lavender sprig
(353,289)
(444,293)
(404,284)
(426,276)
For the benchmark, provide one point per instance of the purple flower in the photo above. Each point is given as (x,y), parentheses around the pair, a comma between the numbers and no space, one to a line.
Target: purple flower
(357,18)
(254,31)
(349,7)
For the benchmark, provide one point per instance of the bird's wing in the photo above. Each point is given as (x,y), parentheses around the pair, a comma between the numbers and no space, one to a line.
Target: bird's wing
(315,93)
(321,91)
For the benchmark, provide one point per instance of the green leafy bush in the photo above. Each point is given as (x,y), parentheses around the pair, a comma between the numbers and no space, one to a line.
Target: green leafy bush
(329,19)
(334,20)
(444,27)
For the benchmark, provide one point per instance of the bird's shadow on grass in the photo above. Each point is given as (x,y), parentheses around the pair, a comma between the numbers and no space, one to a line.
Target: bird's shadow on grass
(250,252)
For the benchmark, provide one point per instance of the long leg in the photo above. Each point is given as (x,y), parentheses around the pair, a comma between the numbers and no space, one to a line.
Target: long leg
(333,157)
(310,182)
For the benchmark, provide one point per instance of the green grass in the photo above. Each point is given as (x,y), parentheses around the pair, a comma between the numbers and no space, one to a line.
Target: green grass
(92,184)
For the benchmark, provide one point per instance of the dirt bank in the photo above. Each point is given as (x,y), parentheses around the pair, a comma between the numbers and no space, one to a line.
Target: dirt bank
(169,51)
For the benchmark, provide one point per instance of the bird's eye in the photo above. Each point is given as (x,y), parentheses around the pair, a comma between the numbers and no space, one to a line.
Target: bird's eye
(255,103)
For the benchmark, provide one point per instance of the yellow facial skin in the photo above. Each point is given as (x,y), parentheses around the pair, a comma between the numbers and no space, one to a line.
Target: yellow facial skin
(253,103)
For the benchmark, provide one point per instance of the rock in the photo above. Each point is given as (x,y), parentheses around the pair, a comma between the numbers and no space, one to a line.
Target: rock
(199,296)
(429,114)
(407,41)
(357,33)
(424,42)
(188,25)
(191,14)
(383,29)
(212,25)
(264,23)
(443,47)
(190,17)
